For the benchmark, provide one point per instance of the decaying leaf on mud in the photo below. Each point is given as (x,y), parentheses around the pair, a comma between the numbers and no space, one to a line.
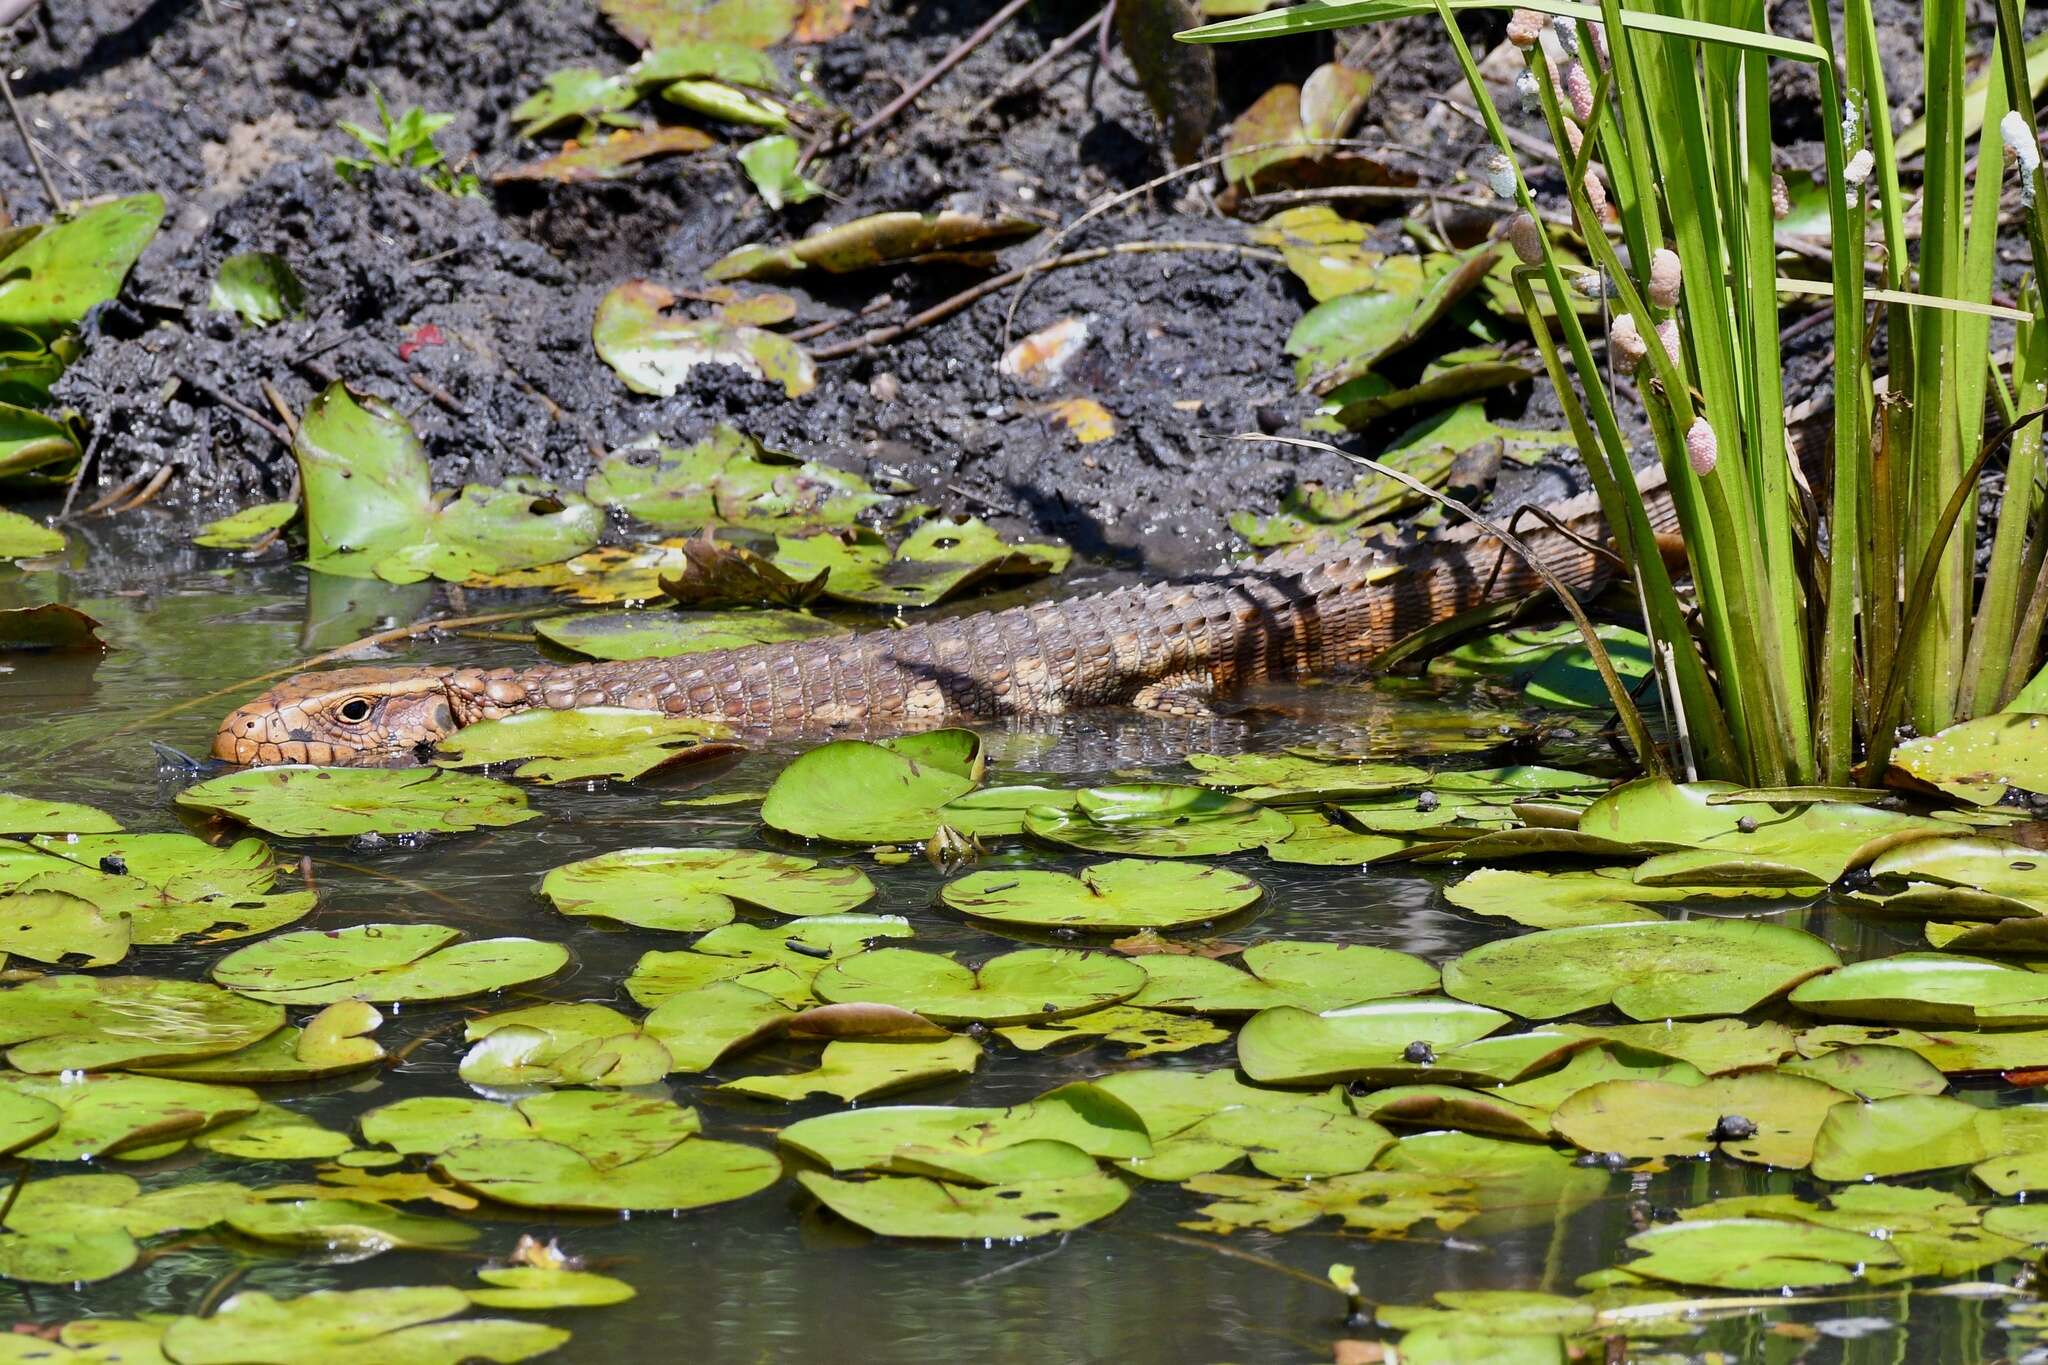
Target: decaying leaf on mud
(880,239)
(654,351)
(1320,110)
(610,157)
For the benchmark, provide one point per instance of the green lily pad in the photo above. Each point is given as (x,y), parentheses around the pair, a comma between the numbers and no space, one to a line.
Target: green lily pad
(533,1173)
(610,1129)
(23,538)
(61,272)
(351,1227)
(1415,1040)
(1756,1254)
(698,1026)
(729,478)
(780,962)
(1963,878)
(964,1143)
(1902,1135)
(66,1257)
(274,1133)
(1929,988)
(1949,1050)
(371,509)
(992,812)
(562,1045)
(342,802)
(106,1115)
(690,889)
(1551,664)
(856,792)
(862,1070)
(653,351)
(1770,1118)
(70,1229)
(1130,893)
(1745,843)
(1523,1109)
(246,527)
(1317,976)
(536,1288)
(1872,1072)
(1606,895)
(1659,970)
(1979,760)
(30,815)
(1158,820)
(1280,1135)
(1143,1031)
(910,1206)
(1384,1202)
(168,887)
(1935,1233)
(354,1327)
(1715,1046)
(50,926)
(384,963)
(1509,1184)
(333,1041)
(1289,778)
(670,634)
(80,1023)
(937,559)
(1015,987)
(1319,841)
(583,743)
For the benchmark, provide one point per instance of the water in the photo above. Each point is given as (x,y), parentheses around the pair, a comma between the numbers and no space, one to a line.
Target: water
(764,1280)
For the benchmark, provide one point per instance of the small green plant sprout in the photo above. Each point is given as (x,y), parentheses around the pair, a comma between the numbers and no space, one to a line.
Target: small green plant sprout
(405,143)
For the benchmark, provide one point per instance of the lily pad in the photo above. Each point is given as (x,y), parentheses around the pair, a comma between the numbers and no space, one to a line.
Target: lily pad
(1143,1031)
(340,802)
(691,889)
(562,1045)
(1770,1118)
(1396,1041)
(258,287)
(609,1129)
(780,962)
(854,1070)
(584,743)
(857,792)
(654,352)
(1286,778)
(1315,976)
(335,1040)
(1715,1046)
(29,815)
(1963,878)
(531,1173)
(1979,760)
(247,527)
(354,1327)
(1159,820)
(671,634)
(1756,1254)
(1029,984)
(1381,1202)
(1075,1119)
(23,538)
(98,1023)
(910,1206)
(59,273)
(534,1287)
(383,963)
(700,1025)
(348,1226)
(51,926)
(1659,970)
(1930,988)
(106,1115)
(729,478)
(1606,895)
(1131,893)
(1319,841)
(1903,1135)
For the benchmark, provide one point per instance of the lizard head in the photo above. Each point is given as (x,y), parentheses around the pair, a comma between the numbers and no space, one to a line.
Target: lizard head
(350,716)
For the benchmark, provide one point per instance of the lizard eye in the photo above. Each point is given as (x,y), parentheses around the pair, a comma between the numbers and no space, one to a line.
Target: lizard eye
(354,711)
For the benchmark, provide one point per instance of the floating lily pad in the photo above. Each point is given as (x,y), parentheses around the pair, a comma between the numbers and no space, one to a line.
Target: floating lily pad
(962,1142)
(1131,893)
(106,1115)
(1029,984)
(1315,976)
(340,802)
(274,1133)
(165,887)
(1159,820)
(532,1173)
(610,1129)
(562,1045)
(98,1023)
(1319,841)
(1396,1041)
(1523,1109)
(780,962)
(1285,778)
(1935,1233)
(51,926)
(1550,664)
(1715,1046)
(354,1327)
(333,1041)
(1903,1135)
(533,1287)
(1979,760)
(691,889)
(1365,1201)
(383,963)
(1949,1050)
(910,1206)
(1279,1134)
(22,538)
(859,1070)
(670,634)
(1607,895)
(348,1226)
(729,478)
(1770,1118)
(1143,1031)
(68,1229)
(1510,1184)
(29,815)
(1930,988)
(991,812)
(857,792)
(1682,970)
(584,743)
(1963,878)
(1756,1254)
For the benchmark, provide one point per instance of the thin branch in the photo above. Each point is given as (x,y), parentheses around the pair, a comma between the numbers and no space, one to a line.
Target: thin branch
(1012,84)
(28,140)
(883,116)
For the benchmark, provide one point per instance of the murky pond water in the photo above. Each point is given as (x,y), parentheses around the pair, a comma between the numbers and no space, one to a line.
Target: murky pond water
(769,1278)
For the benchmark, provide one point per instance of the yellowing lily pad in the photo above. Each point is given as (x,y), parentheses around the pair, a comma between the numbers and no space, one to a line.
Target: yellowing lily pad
(1930,988)
(853,1070)
(1029,984)
(1756,1254)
